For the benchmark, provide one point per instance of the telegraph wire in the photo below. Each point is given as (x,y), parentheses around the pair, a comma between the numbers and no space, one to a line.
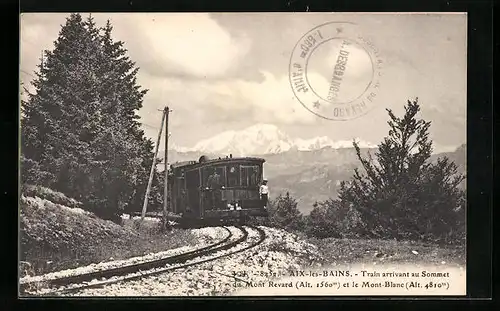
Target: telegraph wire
(25,72)
(29,42)
(142,123)
(150,126)
(42,61)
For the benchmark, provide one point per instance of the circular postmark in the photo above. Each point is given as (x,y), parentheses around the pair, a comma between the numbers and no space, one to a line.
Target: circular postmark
(335,72)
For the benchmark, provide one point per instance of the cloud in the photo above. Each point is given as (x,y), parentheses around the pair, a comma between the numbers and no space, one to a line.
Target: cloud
(38,32)
(223,71)
(348,62)
(270,101)
(185,45)
(179,44)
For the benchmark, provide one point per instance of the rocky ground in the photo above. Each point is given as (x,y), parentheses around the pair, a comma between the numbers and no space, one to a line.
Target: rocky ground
(204,236)
(343,251)
(280,253)
(280,256)
(58,236)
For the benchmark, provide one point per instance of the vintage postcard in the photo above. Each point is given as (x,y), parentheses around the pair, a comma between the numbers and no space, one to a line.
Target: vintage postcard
(307,154)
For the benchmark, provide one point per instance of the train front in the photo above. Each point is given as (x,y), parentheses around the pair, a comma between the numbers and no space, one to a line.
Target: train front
(237,189)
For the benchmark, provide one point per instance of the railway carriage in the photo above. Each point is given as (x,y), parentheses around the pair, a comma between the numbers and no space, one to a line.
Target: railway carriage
(216,189)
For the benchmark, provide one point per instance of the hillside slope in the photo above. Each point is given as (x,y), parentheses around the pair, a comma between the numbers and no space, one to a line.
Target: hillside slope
(55,233)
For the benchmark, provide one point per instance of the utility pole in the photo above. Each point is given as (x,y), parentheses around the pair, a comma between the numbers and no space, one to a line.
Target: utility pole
(165,193)
(151,174)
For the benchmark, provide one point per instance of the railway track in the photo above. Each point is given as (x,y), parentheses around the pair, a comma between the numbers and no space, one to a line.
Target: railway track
(150,268)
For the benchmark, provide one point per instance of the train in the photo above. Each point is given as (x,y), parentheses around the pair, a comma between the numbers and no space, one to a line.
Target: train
(216,190)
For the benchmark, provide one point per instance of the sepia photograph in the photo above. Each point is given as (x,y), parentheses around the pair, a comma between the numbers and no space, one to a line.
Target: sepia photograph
(242,154)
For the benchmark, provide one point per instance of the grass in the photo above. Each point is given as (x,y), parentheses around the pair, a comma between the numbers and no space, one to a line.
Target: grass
(57,237)
(351,251)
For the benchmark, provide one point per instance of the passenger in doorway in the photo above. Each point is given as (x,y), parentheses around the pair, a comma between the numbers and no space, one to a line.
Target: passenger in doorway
(214,180)
(255,177)
(214,183)
(264,193)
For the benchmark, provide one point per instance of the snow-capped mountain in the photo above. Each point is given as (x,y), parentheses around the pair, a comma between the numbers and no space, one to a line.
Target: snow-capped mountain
(323,141)
(261,139)
(176,147)
(256,139)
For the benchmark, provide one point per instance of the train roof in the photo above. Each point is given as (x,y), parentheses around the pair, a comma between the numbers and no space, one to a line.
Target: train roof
(182,163)
(216,161)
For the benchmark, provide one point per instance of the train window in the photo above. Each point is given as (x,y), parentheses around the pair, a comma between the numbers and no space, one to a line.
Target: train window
(192,179)
(233,176)
(212,180)
(250,175)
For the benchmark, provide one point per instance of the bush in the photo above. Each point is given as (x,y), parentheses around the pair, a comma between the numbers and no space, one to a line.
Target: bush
(332,219)
(284,214)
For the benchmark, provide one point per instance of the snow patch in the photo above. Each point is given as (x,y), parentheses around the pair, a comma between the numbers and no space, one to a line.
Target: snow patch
(281,251)
(154,219)
(40,203)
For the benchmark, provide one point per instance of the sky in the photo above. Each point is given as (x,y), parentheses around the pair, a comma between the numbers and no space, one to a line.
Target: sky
(228,71)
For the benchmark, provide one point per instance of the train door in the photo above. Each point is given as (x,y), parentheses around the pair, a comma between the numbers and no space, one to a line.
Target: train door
(250,178)
(250,175)
(213,179)
(193,189)
(180,194)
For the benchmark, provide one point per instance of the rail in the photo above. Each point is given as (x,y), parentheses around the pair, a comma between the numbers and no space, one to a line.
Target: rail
(152,266)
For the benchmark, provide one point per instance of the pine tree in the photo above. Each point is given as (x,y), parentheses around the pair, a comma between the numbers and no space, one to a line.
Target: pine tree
(121,83)
(52,114)
(81,125)
(402,194)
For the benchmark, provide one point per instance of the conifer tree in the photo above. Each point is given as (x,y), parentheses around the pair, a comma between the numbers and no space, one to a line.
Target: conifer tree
(81,124)
(121,84)
(402,194)
(53,114)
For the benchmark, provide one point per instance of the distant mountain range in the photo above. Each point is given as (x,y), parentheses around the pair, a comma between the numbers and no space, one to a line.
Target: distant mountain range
(311,180)
(310,169)
(262,139)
